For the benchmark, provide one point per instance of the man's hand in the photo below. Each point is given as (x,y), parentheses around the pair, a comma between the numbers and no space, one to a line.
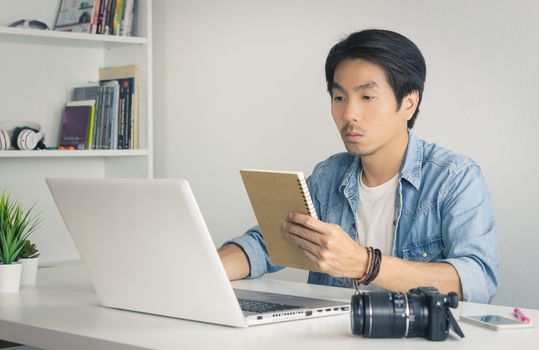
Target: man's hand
(328,246)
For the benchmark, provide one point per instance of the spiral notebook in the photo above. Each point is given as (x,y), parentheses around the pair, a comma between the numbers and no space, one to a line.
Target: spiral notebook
(273,195)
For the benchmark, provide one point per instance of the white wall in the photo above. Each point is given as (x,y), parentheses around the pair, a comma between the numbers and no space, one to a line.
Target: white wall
(241,84)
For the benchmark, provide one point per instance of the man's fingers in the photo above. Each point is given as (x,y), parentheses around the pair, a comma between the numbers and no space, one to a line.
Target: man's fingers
(305,245)
(307,221)
(312,258)
(303,232)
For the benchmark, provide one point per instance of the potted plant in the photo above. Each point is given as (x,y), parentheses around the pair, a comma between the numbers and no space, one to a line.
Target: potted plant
(28,257)
(16,224)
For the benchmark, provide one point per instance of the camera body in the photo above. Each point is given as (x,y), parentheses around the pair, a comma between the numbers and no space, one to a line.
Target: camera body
(438,306)
(422,312)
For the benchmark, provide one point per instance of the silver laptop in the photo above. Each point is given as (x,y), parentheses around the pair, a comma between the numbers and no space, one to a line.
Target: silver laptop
(147,248)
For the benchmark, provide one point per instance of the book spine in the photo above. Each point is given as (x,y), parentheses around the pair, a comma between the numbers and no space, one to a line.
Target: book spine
(135,109)
(302,183)
(108,116)
(106,120)
(129,115)
(102,17)
(110,17)
(119,122)
(95,18)
(97,115)
(114,119)
(122,18)
(90,93)
(128,11)
(101,120)
(131,16)
(117,17)
(90,128)
(126,116)
(98,120)
(121,118)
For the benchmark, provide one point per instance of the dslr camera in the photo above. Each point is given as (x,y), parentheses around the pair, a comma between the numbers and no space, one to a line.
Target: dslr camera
(422,312)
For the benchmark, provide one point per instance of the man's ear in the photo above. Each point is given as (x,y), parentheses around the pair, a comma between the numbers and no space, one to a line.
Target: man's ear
(409,104)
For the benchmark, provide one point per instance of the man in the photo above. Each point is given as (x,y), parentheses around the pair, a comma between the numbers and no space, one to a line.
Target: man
(427,210)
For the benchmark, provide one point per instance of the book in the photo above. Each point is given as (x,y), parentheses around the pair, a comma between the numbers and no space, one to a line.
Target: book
(111,134)
(93,92)
(76,16)
(110,16)
(273,196)
(128,113)
(95,20)
(127,21)
(118,16)
(101,16)
(77,125)
(130,17)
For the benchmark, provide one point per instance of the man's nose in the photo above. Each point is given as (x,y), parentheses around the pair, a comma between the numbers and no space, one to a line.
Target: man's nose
(352,111)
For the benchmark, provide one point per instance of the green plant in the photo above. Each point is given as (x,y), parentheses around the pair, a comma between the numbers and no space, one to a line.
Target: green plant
(16,224)
(29,250)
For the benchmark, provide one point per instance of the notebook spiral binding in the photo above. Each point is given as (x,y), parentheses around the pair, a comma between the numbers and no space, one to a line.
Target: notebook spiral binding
(306,196)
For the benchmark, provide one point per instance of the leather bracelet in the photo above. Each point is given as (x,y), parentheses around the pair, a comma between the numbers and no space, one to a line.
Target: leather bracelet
(374,262)
(367,267)
(377,262)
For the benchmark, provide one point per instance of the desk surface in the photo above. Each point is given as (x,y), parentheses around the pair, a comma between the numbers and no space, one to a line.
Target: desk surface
(62,312)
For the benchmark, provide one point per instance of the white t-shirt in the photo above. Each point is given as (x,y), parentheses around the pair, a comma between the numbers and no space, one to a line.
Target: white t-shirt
(376,211)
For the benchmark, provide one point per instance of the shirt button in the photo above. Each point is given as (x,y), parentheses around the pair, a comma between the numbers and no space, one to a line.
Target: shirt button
(425,254)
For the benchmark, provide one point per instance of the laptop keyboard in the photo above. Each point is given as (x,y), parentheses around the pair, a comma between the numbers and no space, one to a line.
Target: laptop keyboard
(264,306)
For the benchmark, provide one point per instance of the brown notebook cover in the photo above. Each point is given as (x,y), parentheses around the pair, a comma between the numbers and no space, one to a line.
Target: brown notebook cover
(273,195)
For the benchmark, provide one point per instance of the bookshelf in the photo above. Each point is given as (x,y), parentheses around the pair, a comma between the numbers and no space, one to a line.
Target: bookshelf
(51,37)
(39,70)
(82,153)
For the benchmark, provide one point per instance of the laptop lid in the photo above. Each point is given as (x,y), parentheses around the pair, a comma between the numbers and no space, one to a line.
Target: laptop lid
(147,248)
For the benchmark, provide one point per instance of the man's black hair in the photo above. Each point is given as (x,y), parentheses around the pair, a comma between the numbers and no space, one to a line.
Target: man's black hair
(398,56)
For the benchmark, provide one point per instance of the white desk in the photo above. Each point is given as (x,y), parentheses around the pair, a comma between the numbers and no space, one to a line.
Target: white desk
(63,312)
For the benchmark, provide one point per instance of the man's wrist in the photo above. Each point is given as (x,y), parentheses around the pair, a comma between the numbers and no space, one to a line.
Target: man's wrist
(372,268)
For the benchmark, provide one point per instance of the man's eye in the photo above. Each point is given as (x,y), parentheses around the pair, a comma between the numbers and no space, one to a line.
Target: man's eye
(367,98)
(338,98)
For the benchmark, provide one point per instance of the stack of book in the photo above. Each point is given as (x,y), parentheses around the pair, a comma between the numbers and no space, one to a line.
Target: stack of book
(110,117)
(113,17)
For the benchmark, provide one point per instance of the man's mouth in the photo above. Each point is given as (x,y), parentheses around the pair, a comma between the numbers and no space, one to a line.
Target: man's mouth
(353,136)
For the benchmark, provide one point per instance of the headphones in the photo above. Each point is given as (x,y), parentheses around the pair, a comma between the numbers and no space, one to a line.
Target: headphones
(23,136)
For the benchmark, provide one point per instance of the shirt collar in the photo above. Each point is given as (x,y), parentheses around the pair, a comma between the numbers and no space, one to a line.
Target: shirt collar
(351,178)
(413,160)
(410,169)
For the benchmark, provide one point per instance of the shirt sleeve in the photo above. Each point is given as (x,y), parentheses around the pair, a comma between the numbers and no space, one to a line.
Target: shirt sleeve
(469,234)
(252,243)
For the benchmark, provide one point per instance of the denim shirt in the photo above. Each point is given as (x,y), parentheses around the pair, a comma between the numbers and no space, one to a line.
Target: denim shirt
(443,213)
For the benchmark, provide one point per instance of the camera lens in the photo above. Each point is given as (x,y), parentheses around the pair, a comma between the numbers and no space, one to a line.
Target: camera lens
(357,316)
(389,315)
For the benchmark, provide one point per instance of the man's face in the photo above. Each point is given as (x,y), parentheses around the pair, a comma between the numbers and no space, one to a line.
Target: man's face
(365,109)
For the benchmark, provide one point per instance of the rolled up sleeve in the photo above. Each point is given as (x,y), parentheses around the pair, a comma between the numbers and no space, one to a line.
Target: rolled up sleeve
(469,234)
(254,247)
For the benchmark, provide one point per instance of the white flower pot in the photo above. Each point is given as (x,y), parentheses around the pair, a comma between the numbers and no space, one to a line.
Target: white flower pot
(29,271)
(10,277)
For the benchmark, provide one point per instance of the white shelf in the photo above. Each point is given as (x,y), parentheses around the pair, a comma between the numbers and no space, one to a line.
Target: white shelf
(81,153)
(51,37)
(39,70)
